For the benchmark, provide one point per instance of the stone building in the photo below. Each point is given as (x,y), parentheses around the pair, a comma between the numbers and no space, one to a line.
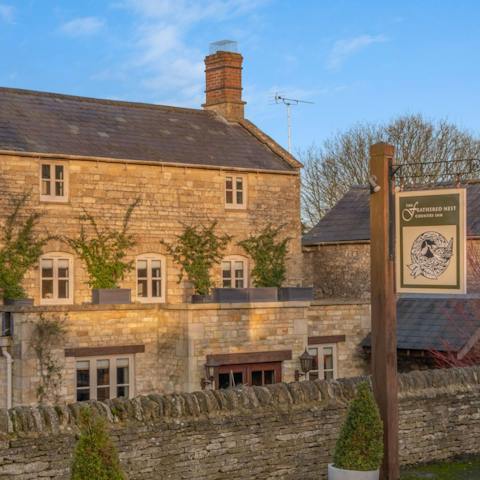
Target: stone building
(187,167)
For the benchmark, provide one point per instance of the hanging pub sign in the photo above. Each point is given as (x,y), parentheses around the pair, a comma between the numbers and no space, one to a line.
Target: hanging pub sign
(431,241)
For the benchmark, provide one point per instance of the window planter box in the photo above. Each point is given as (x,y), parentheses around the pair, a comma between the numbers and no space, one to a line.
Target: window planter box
(18,302)
(335,473)
(230,295)
(245,295)
(102,296)
(263,294)
(203,299)
(299,294)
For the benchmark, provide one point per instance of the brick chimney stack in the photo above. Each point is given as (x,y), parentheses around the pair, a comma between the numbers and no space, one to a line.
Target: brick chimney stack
(223,71)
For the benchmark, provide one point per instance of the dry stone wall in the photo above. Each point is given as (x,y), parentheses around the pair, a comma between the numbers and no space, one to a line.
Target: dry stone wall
(276,432)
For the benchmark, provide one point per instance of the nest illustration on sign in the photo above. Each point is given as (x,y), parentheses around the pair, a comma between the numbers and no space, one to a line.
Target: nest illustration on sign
(430,255)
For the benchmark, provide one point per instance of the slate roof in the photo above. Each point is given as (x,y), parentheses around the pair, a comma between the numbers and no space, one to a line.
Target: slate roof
(349,219)
(62,124)
(443,324)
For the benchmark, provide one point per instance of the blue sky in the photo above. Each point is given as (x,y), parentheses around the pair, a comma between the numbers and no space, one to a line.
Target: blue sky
(357,60)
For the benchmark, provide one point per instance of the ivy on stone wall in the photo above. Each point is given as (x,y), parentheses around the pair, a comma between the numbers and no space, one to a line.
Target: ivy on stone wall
(103,250)
(197,249)
(47,335)
(269,254)
(21,247)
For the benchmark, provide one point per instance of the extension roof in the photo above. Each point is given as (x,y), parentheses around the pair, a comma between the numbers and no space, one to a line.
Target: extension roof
(55,124)
(349,220)
(442,324)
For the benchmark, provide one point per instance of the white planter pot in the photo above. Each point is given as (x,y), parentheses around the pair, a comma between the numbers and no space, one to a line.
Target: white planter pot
(340,474)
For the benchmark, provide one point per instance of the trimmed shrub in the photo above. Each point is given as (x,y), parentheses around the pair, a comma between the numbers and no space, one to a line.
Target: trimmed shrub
(95,455)
(360,445)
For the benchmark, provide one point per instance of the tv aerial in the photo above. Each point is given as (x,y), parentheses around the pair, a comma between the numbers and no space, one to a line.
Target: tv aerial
(289,102)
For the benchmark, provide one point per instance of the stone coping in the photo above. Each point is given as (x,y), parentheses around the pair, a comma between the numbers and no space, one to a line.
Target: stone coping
(281,397)
(340,301)
(88,307)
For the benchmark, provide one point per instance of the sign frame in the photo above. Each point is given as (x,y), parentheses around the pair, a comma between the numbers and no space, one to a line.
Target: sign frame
(432,213)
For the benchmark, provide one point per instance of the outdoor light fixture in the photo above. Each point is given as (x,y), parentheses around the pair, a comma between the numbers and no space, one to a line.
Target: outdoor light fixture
(306,364)
(209,378)
(374,186)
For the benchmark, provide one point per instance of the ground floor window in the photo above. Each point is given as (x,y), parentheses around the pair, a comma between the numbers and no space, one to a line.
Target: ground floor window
(253,374)
(103,378)
(324,362)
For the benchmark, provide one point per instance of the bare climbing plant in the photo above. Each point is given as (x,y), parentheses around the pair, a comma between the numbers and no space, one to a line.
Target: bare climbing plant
(47,335)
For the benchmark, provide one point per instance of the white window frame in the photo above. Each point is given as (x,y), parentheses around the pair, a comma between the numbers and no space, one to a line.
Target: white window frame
(52,197)
(234,204)
(113,374)
(56,256)
(163,279)
(232,259)
(321,370)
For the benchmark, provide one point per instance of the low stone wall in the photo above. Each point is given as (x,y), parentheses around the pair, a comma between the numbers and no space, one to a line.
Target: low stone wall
(284,431)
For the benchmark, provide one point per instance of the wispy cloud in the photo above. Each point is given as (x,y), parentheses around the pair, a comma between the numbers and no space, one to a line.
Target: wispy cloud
(6,13)
(82,26)
(342,49)
(168,63)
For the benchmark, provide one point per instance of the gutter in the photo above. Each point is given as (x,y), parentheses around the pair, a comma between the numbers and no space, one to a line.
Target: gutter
(94,159)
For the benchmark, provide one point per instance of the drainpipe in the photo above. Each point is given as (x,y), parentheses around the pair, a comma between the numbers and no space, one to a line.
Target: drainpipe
(9,360)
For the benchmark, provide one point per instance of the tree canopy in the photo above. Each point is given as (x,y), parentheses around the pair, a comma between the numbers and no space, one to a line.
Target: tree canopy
(342,160)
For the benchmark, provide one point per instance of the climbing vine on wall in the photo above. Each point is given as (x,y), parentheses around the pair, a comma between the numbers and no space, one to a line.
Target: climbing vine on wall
(47,335)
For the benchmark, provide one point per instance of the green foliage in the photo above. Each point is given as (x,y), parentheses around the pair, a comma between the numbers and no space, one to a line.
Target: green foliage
(95,455)
(360,445)
(196,250)
(269,255)
(47,334)
(21,247)
(104,251)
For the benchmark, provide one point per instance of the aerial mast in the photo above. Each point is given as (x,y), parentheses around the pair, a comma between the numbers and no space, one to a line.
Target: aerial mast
(289,102)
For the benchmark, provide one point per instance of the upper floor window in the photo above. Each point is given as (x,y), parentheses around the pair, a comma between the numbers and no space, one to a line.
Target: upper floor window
(235,191)
(104,378)
(56,278)
(151,278)
(54,187)
(234,272)
(324,362)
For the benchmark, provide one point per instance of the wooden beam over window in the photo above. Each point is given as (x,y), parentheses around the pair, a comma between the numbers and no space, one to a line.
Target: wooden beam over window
(250,357)
(319,340)
(104,351)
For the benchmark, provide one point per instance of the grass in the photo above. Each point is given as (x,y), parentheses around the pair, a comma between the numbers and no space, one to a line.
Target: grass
(467,468)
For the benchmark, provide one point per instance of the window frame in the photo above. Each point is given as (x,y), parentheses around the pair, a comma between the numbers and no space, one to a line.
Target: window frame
(235,205)
(246,369)
(112,373)
(52,197)
(56,256)
(320,360)
(232,259)
(163,278)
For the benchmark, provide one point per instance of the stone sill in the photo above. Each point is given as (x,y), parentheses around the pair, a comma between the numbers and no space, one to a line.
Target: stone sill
(340,301)
(88,307)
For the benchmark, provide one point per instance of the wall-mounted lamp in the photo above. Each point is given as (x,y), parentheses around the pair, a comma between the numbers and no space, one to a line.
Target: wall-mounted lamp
(306,364)
(209,378)
(374,186)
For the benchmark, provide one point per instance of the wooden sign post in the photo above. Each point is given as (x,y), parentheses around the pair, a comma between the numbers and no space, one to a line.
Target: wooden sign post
(383,302)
